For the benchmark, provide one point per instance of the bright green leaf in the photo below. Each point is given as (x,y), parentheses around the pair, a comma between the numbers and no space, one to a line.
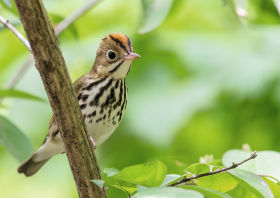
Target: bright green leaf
(274,187)
(127,189)
(221,182)
(209,193)
(154,13)
(166,192)
(19,94)
(149,174)
(253,182)
(198,168)
(241,191)
(14,140)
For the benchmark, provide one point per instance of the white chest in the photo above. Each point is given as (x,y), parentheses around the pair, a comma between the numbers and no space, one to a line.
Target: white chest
(103,106)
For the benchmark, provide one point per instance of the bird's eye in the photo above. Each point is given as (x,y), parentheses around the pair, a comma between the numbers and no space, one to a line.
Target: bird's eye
(111,54)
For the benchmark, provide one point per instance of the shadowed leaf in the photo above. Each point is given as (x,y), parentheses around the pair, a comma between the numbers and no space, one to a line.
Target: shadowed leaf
(14,140)
(154,13)
(19,94)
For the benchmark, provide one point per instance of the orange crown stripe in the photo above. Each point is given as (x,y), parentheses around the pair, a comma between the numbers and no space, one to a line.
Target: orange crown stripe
(118,36)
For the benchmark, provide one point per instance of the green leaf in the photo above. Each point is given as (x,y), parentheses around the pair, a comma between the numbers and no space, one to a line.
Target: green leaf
(220,182)
(171,178)
(241,191)
(10,6)
(237,156)
(170,192)
(149,174)
(113,191)
(198,168)
(274,187)
(19,94)
(209,193)
(266,163)
(14,140)
(127,189)
(154,13)
(252,182)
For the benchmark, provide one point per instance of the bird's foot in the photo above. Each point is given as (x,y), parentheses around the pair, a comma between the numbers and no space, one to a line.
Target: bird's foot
(93,143)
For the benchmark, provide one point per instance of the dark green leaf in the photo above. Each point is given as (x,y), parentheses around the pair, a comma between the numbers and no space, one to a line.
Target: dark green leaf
(154,13)
(14,140)
(116,192)
(170,192)
(19,94)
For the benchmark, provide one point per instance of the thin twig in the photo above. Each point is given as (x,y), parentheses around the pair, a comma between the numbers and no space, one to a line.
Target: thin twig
(58,30)
(234,165)
(9,26)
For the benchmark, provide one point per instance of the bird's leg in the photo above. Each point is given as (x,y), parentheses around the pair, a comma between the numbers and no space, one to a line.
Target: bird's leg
(93,143)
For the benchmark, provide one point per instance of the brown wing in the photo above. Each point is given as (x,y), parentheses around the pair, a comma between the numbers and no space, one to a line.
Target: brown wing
(78,85)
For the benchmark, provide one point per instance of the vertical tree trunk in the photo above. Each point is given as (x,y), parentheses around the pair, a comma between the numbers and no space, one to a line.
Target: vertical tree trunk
(53,71)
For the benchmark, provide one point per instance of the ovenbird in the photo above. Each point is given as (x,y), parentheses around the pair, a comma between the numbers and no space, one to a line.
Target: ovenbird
(102,96)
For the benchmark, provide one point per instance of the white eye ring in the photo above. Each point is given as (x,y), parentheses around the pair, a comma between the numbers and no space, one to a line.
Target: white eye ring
(111,54)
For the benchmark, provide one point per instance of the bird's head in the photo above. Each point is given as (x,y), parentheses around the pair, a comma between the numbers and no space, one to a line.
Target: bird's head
(114,56)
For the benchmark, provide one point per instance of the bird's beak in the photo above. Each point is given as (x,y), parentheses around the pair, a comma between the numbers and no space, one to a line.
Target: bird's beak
(131,56)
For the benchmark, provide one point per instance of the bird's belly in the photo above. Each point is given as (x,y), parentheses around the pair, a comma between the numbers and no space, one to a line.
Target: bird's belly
(101,131)
(102,125)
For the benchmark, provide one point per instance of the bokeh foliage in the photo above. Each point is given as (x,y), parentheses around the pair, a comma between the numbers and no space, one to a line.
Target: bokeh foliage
(207,81)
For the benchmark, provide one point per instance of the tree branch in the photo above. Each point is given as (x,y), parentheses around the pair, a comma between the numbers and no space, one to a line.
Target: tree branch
(9,26)
(59,28)
(52,68)
(234,165)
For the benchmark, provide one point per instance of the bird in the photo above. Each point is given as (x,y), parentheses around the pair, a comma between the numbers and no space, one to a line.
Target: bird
(102,96)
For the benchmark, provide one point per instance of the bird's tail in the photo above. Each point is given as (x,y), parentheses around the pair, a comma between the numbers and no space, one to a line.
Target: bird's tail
(30,166)
(48,149)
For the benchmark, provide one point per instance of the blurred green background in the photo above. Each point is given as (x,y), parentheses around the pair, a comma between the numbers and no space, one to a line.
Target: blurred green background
(208,81)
